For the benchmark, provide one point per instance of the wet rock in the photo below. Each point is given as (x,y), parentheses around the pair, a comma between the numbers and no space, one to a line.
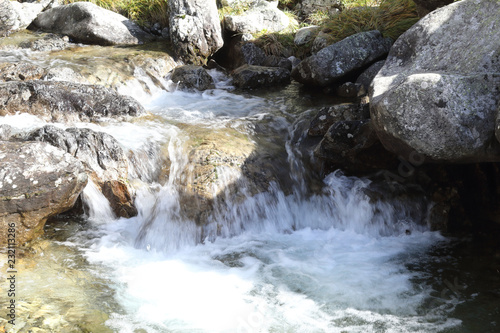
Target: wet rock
(306,35)
(37,181)
(49,42)
(103,158)
(64,74)
(65,102)
(192,77)
(263,16)
(213,167)
(369,74)
(88,23)
(354,146)
(328,116)
(20,71)
(118,194)
(340,59)
(433,97)
(248,76)
(195,29)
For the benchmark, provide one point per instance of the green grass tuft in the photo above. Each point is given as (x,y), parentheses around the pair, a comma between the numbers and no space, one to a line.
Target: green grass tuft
(144,12)
(391,17)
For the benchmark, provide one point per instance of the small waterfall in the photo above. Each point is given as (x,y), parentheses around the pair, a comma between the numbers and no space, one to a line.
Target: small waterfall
(96,206)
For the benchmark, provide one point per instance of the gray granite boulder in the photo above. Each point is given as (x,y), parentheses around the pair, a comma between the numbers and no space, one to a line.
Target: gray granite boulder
(341,59)
(37,181)
(103,158)
(190,77)
(438,92)
(88,23)
(195,29)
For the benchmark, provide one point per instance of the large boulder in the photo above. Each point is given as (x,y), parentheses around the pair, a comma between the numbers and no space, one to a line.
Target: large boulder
(103,158)
(438,91)
(88,23)
(195,29)
(9,20)
(18,15)
(37,181)
(192,77)
(248,76)
(263,16)
(341,59)
(64,101)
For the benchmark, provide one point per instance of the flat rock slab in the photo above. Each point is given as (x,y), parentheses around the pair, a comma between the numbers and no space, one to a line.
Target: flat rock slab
(65,101)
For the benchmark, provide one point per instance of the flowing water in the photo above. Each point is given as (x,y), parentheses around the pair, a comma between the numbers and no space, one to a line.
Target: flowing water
(301,253)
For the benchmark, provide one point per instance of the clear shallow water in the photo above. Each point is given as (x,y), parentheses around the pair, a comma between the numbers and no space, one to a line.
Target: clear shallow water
(329,260)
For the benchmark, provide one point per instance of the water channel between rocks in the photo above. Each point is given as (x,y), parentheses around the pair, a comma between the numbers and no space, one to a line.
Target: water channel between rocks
(276,248)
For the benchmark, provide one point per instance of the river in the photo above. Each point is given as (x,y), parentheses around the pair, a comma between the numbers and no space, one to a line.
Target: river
(309,253)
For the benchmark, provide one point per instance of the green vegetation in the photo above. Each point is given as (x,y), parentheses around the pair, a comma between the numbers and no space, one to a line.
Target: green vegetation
(390,17)
(144,12)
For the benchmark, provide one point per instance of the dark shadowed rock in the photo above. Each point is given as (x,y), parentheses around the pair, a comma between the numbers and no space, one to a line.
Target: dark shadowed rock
(192,77)
(37,181)
(195,29)
(340,59)
(354,145)
(426,6)
(438,91)
(369,74)
(64,101)
(103,158)
(252,54)
(248,76)
(350,90)
(328,116)
(88,23)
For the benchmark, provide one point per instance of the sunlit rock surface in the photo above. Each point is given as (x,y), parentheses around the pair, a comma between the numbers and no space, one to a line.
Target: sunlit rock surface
(37,181)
